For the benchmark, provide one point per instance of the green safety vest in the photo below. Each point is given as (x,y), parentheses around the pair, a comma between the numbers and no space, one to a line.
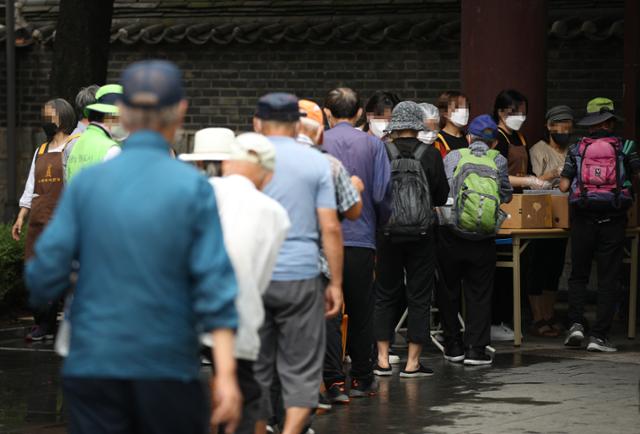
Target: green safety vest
(89,149)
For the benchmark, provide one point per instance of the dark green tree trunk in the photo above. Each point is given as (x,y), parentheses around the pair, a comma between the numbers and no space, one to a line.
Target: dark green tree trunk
(81,48)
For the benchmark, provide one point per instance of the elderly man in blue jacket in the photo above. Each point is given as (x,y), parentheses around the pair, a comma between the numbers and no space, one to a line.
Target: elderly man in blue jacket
(154,273)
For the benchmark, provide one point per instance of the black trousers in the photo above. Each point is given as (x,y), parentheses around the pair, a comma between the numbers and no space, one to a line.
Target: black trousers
(251,394)
(332,371)
(108,406)
(602,239)
(472,263)
(46,317)
(412,262)
(359,305)
(547,263)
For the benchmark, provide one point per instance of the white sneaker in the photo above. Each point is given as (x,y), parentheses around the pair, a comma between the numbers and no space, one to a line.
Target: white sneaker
(601,345)
(347,359)
(501,332)
(575,336)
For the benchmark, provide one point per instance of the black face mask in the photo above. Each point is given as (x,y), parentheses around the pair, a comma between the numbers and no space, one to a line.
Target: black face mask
(562,139)
(50,129)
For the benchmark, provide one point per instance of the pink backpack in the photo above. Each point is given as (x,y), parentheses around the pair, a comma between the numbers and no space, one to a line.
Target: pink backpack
(600,177)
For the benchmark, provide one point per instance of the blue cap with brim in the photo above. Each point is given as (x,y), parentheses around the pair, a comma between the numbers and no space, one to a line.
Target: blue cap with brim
(279,106)
(152,84)
(483,127)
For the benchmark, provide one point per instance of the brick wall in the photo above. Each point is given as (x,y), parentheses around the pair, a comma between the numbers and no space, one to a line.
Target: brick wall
(223,82)
(579,70)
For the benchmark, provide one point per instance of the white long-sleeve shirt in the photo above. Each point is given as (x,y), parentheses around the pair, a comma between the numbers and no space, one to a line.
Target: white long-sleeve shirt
(254,227)
(28,194)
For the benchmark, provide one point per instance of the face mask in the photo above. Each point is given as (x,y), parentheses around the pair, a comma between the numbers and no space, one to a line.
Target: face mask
(50,129)
(562,139)
(118,133)
(515,122)
(377,127)
(427,137)
(460,117)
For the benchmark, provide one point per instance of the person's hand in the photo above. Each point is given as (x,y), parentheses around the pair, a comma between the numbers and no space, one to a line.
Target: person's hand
(537,184)
(332,300)
(559,171)
(357,183)
(16,230)
(227,403)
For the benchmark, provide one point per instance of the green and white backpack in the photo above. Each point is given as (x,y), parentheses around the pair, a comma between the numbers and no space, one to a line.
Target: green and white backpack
(476,193)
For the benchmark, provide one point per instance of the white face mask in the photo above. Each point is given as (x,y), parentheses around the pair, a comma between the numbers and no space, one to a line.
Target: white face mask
(427,137)
(460,117)
(377,127)
(118,133)
(515,121)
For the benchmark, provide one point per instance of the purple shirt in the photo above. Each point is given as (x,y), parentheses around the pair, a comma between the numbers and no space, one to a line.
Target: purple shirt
(364,156)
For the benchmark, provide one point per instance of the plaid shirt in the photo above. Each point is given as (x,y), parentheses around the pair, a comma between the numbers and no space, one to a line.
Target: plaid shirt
(346,194)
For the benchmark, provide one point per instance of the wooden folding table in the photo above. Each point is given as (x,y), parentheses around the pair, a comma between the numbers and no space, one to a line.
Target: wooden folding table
(520,241)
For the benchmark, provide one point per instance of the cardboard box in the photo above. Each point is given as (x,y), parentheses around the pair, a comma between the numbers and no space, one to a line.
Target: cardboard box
(528,211)
(560,210)
(559,207)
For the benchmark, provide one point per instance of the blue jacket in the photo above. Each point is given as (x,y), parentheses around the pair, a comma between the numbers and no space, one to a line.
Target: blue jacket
(364,156)
(154,271)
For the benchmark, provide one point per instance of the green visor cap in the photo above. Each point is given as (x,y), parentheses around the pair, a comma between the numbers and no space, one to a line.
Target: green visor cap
(597,104)
(106,98)
(598,110)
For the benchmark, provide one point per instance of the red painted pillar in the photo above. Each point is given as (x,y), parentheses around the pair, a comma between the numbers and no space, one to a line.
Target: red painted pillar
(503,45)
(631,92)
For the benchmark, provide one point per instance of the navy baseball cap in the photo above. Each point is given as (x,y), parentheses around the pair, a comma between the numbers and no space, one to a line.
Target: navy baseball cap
(483,127)
(151,84)
(279,106)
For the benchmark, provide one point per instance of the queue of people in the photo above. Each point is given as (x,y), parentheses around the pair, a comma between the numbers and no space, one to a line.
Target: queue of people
(274,255)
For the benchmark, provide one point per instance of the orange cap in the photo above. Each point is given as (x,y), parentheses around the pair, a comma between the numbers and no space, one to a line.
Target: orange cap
(312,110)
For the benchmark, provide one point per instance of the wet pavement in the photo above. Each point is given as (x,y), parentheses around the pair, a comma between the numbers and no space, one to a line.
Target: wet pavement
(537,391)
(539,388)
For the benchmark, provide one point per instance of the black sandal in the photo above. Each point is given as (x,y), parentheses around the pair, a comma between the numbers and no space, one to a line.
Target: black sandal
(556,325)
(538,329)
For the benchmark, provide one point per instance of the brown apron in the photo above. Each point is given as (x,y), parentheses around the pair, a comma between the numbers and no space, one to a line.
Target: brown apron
(47,186)
(518,156)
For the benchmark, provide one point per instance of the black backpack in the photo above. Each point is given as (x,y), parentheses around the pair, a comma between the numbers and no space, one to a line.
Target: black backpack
(411,211)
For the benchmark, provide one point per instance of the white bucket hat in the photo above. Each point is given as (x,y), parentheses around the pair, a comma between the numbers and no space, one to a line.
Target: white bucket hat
(211,144)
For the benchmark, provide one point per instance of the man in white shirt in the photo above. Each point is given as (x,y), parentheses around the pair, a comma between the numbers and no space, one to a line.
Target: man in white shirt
(254,227)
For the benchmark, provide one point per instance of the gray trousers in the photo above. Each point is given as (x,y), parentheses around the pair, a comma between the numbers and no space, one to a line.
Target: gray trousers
(292,343)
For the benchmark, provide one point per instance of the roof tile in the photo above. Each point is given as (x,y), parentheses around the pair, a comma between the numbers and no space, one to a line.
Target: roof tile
(315,30)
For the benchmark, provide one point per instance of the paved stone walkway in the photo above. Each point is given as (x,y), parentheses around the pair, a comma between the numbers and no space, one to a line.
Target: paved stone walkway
(539,388)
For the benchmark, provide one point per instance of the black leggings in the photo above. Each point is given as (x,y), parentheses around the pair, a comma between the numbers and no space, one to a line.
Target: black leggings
(547,263)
